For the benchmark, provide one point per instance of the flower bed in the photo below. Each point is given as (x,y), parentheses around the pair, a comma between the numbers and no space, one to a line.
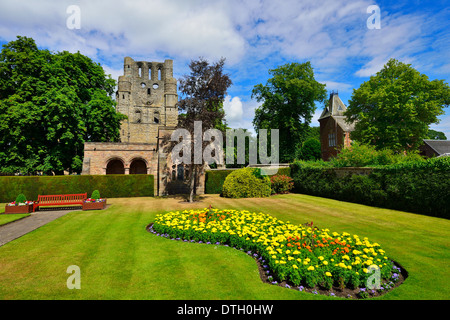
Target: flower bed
(12,207)
(94,204)
(297,256)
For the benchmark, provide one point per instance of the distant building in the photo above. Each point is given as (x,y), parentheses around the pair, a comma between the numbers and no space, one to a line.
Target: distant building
(435,148)
(334,130)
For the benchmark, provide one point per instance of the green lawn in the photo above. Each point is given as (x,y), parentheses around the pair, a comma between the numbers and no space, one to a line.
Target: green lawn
(119,259)
(6,218)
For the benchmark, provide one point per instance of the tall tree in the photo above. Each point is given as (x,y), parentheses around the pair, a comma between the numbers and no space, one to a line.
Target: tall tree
(50,104)
(202,94)
(395,107)
(435,135)
(289,98)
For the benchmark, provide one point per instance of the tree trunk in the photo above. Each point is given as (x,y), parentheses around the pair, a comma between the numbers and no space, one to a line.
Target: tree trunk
(192,184)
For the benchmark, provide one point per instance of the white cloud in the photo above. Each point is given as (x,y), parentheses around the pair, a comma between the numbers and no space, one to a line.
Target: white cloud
(233,109)
(185,29)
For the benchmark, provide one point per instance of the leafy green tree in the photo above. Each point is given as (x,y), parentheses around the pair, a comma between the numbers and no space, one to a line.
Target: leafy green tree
(435,135)
(288,98)
(50,104)
(310,150)
(395,107)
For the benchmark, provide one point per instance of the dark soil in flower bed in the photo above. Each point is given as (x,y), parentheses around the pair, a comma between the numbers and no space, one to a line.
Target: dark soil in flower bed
(357,293)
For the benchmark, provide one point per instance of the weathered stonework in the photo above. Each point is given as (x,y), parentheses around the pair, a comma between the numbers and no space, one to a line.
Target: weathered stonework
(147,95)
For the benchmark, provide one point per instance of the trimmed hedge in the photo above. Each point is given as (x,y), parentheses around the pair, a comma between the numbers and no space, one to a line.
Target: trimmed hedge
(420,187)
(110,186)
(215,178)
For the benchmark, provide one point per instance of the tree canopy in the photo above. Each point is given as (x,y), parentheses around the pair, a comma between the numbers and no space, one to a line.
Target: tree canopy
(396,106)
(50,104)
(202,94)
(289,98)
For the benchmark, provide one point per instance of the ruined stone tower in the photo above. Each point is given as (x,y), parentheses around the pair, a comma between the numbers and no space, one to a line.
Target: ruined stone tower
(147,94)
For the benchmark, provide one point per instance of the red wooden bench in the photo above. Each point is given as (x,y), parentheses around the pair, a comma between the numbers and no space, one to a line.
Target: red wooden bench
(60,199)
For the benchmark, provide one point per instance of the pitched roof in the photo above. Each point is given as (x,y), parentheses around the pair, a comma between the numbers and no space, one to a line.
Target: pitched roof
(439,146)
(335,109)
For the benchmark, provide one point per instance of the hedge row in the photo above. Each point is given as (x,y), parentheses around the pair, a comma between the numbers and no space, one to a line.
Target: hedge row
(420,187)
(110,186)
(215,178)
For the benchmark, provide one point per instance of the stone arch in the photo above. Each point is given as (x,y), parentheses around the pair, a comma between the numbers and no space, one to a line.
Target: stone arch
(138,166)
(115,166)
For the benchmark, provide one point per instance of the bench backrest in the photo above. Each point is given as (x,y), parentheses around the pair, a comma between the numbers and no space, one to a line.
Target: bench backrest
(60,198)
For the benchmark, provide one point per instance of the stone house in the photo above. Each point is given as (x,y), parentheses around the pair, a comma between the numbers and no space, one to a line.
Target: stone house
(334,130)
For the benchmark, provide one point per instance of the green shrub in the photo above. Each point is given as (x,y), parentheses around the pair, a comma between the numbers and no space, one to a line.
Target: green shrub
(21,198)
(246,183)
(281,183)
(360,155)
(95,195)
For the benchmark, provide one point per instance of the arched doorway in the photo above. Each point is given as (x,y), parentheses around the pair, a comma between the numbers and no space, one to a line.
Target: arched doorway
(115,166)
(138,166)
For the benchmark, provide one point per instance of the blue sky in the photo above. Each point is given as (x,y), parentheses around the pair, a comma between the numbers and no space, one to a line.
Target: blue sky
(253,36)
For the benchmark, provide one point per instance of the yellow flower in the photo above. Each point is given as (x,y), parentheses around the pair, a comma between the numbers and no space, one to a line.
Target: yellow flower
(325,262)
(328,274)
(310,268)
(294,266)
(320,258)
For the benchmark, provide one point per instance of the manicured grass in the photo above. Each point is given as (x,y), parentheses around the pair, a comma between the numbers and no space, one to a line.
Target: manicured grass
(119,259)
(6,218)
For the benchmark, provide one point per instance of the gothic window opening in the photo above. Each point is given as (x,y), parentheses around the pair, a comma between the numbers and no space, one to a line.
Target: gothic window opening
(138,116)
(156,117)
(174,173)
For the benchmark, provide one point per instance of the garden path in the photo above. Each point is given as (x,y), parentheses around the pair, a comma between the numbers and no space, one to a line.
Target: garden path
(18,228)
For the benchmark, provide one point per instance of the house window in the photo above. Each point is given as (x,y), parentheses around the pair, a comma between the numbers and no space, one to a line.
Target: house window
(332,139)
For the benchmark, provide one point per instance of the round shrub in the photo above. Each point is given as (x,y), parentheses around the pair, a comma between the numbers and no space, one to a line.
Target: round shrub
(246,183)
(281,183)
(21,198)
(95,195)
